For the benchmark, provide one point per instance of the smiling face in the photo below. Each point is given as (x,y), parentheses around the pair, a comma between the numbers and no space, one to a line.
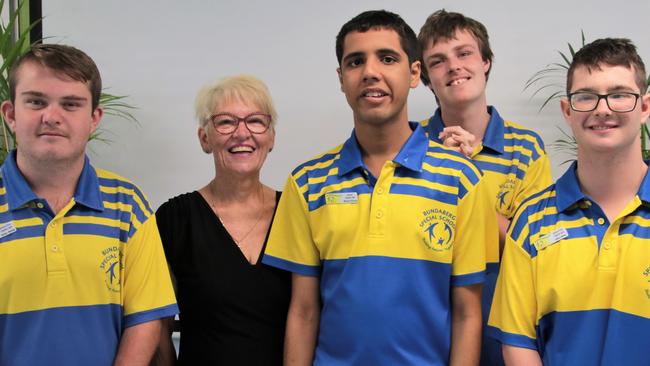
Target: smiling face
(376,76)
(456,70)
(52,116)
(240,153)
(602,130)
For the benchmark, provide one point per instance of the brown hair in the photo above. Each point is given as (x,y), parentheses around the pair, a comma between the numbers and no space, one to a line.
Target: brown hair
(612,52)
(66,60)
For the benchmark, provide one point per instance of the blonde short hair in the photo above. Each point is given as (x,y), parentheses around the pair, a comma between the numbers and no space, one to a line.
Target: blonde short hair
(245,88)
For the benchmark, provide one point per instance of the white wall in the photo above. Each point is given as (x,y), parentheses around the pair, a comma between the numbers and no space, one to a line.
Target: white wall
(161,52)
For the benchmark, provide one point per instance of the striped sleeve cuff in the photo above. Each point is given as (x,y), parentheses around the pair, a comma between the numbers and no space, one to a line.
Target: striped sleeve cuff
(149,315)
(468,279)
(301,269)
(511,339)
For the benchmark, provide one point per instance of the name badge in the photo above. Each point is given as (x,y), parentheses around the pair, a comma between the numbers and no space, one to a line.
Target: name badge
(7,228)
(341,198)
(551,238)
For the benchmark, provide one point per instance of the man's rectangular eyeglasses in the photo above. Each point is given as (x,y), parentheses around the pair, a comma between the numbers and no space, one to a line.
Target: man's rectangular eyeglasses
(226,123)
(620,102)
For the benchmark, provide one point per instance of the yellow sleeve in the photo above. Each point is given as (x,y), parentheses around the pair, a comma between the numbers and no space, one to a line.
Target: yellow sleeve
(147,292)
(476,225)
(291,246)
(538,177)
(513,316)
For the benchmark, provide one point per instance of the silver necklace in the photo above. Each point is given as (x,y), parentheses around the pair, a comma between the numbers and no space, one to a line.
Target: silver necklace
(239,241)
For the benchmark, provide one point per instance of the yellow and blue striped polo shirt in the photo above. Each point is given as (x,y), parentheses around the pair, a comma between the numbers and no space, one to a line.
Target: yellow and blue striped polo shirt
(574,286)
(514,163)
(515,166)
(71,283)
(387,249)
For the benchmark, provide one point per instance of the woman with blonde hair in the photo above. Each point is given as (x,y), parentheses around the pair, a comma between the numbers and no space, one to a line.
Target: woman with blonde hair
(232,307)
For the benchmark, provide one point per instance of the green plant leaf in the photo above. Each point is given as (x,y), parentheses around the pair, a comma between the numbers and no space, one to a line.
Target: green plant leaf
(547,73)
(566,145)
(572,51)
(116,105)
(541,88)
(563,67)
(565,58)
(555,95)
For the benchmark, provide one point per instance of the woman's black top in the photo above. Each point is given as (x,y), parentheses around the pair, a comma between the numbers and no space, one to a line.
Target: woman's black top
(231,312)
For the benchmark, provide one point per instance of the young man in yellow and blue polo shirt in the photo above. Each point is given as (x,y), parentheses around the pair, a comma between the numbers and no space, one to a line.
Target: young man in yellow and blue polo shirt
(388,230)
(83,277)
(574,287)
(456,59)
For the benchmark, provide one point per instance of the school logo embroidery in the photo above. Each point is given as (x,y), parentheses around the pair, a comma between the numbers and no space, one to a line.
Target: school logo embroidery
(438,229)
(501,197)
(646,275)
(504,190)
(111,268)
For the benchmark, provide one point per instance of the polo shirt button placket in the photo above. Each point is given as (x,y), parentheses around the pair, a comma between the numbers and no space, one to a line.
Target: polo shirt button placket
(608,254)
(378,208)
(56,261)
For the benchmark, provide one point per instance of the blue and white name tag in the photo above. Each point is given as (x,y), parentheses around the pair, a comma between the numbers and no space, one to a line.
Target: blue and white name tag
(341,198)
(551,238)
(7,228)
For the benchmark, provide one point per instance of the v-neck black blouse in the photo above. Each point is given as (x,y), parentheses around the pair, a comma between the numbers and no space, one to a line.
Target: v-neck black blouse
(231,312)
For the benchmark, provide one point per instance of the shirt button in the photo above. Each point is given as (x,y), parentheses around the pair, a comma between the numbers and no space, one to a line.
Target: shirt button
(380,190)
(607,245)
(52,224)
(601,221)
(380,214)
(55,248)
(39,205)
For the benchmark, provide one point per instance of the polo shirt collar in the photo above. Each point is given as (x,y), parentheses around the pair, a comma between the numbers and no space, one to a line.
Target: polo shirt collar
(567,189)
(568,193)
(493,138)
(435,126)
(87,192)
(410,155)
(19,193)
(644,190)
